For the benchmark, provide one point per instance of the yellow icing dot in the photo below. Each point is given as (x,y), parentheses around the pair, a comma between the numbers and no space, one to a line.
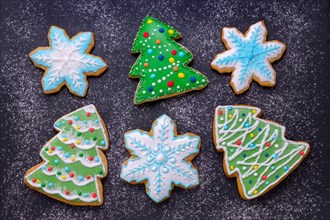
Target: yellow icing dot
(252,135)
(231,167)
(38,181)
(50,151)
(181,75)
(65,139)
(63,177)
(78,142)
(78,127)
(170,31)
(230,115)
(254,111)
(171,60)
(255,167)
(72,158)
(255,192)
(149,21)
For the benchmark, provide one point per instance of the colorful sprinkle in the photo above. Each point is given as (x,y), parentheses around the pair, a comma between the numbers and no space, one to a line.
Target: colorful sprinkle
(161,30)
(192,79)
(181,75)
(145,34)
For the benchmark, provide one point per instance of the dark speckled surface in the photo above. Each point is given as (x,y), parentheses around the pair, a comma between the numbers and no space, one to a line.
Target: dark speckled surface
(300,101)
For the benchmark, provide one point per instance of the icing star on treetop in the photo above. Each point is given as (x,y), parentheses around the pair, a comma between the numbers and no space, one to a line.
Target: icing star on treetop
(67,61)
(248,57)
(160,159)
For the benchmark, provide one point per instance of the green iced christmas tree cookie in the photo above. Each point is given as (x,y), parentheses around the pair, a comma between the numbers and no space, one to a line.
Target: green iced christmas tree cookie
(73,162)
(256,150)
(162,66)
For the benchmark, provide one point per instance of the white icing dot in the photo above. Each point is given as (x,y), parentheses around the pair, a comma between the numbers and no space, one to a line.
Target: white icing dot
(159,81)
(187,84)
(153,84)
(167,149)
(178,87)
(165,170)
(153,92)
(154,168)
(149,159)
(240,120)
(161,91)
(163,78)
(244,168)
(203,80)
(223,143)
(276,145)
(156,149)
(255,174)
(221,119)
(144,92)
(160,157)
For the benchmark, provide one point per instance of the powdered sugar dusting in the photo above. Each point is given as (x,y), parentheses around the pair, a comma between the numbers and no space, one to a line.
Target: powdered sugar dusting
(298,101)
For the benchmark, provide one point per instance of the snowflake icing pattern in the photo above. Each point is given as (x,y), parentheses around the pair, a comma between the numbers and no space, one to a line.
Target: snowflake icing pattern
(67,60)
(158,160)
(248,56)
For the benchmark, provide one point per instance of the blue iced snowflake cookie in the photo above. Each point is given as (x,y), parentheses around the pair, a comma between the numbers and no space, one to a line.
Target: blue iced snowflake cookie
(161,159)
(248,57)
(67,61)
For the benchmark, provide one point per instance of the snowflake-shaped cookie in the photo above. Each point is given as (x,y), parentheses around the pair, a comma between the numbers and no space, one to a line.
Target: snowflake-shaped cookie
(248,57)
(67,61)
(161,159)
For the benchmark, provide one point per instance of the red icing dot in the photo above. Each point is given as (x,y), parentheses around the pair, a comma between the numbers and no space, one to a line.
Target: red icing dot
(268,144)
(145,34)
(34,180)
(88,114)
(50,168)
(170,83)
(157,41)
(88,177)
(67,192)
(94,195)
(264,177)
(90,158)
(52,148)
(301,152)
(220,112)
(91,129)
(173,52)
(70,122)
(72,146)
(238,142)
(71,174)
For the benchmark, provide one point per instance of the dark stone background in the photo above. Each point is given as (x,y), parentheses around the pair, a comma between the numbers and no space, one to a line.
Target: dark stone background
(300,101)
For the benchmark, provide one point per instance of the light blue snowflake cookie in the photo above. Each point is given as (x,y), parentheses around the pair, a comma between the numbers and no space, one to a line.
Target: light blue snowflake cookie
(67,61)
(161,159)
(248,57)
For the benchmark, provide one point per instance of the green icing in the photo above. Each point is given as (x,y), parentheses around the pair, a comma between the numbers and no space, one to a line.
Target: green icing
(94,168)
(162,66)
(256,149)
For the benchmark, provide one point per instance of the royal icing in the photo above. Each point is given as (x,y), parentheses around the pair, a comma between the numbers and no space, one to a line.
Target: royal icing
(162,66)
(248,57)
(255,149)
(67,61)
(160,159)
(73,163)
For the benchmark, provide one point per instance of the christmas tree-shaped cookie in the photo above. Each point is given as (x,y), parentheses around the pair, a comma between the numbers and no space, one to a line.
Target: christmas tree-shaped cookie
(73,162)
(162,66)
(256,150)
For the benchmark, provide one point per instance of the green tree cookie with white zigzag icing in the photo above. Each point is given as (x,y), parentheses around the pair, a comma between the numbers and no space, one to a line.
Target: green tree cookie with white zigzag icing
(162,66)
(256,151)
(73,162)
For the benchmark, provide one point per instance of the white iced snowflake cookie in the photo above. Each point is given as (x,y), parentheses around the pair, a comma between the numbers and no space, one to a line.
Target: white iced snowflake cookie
(161,159)
(248,57)
(67,61)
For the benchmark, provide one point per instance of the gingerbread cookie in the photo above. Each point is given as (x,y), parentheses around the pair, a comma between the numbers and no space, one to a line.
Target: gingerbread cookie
(248,57)
(67,61)
(256,151)
(162,66)
(73,162)
(161,159)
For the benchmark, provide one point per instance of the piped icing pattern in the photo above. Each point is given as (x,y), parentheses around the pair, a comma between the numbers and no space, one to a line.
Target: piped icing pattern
(73,162)
(256,150)
(248,57)
(162,66)
(161,159)
(67,61)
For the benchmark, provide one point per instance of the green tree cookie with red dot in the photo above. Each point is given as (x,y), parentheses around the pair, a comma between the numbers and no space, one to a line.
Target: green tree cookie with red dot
(162,66)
